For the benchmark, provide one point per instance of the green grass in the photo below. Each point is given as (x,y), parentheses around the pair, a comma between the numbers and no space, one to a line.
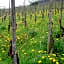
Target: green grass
(36,45)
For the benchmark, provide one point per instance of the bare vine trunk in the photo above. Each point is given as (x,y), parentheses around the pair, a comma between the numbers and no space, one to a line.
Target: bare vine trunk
(60,19)
(50,26)
(9,19)
(14,59)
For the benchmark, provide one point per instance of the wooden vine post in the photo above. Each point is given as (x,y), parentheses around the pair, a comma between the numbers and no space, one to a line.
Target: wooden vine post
(60,19)
(50,44)
(9,19)
(14,59)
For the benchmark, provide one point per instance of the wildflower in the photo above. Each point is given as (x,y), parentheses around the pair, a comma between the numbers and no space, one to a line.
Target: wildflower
(8,39)
(3,51)
(5,40)
(63,54)
(54,59)
(18,37)
(0,40)
(0,59)
(44,51)
(40,51)
(50,58)
(57,39)
(42,37)
(54,54)
(46,32)
(62,58)
(25,53)
(57,62)
(43,57)
(39,61)
(23,50)
(35,41)
(33,50)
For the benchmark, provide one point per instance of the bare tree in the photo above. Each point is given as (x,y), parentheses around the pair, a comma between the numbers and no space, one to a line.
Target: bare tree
(14,59)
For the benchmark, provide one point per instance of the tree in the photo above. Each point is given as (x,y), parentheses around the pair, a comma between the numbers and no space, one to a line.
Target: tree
(14,59)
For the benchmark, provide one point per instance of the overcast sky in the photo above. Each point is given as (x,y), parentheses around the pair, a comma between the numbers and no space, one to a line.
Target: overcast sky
(5,3)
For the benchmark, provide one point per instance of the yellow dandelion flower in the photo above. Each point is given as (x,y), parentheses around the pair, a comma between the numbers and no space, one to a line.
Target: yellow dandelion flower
(35,41)
(25,53)
(44,51)
(54,54)
(40,51)
(43,57)
(39,61)
(54,60)
(42,37)
(62,58)
(33,50)
(57,62)
(57,39)
(8,39)
(3,51)
(50,58)
(0,59)
(63,54)
(23,50)
(18,37)
(46,32)
(5,40)
(0,40)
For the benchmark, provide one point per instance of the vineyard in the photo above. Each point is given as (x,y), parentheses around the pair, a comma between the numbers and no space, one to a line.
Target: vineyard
(32,36)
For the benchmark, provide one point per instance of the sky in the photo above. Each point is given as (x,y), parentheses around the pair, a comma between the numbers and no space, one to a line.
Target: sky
(5,3)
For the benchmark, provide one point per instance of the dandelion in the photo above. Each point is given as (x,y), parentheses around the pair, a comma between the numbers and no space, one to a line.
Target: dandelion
(57,39)
(18,37)
(50,58)
(25,53)
(33,50)
(46,32)
(3,51)
(54,54)
(35,41)
(63,54)
(23,50)
(62,58)
(39,61)
(0,40)
(57,62)
(43,57)
(42,37)
(44,51)
(54,59)
(5,40)
(40,51)
(0,59)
